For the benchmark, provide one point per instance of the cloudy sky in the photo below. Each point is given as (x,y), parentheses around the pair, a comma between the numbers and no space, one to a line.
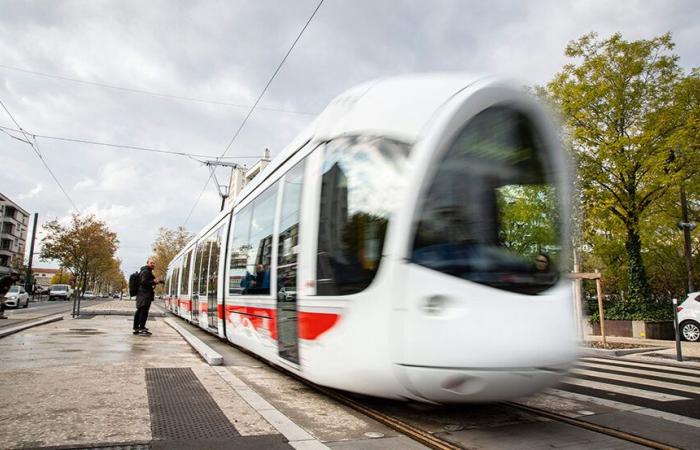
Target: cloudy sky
(211,59)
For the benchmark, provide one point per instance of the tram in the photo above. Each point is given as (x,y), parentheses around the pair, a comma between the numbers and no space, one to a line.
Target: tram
(406,245)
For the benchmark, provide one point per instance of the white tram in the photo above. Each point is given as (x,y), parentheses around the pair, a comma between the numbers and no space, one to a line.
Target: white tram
(406,245)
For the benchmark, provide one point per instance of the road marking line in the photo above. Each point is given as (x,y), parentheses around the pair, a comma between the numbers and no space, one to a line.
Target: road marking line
(636,380)
(652,373)
(634,392)
(626,407)
(628,362)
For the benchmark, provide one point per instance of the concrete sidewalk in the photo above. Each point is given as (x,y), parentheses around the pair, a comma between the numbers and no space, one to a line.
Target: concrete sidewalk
(89,382)
(667,353)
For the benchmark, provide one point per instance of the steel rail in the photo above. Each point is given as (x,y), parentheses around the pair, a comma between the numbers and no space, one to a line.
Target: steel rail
(593,427)
(430,440)
(424,437)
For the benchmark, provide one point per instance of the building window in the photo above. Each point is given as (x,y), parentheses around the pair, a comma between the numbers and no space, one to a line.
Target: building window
(362,180)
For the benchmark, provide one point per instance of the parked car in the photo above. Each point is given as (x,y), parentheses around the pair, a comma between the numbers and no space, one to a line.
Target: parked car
(60,292)
(16,297)
(689,317)
(89,294)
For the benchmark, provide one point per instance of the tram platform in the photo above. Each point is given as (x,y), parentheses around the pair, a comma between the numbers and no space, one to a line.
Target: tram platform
(88,382)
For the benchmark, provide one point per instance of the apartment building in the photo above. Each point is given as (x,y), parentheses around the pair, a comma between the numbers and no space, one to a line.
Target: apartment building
(14,225)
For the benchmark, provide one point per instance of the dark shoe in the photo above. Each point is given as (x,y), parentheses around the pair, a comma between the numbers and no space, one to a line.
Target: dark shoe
(4,317)
(136,332)
(144,333)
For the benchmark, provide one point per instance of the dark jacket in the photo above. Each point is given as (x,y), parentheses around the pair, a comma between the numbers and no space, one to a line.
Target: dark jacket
(146,284)
(6,283)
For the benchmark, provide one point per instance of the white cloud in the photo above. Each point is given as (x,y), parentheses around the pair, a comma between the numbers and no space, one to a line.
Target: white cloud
(32,193)
(227,52)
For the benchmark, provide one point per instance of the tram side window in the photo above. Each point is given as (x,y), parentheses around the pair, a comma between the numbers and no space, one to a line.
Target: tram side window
(185,275)
(176,279)
(289,232)
(197,268)
(362,178)
(239,250)
(204,269)
(251,250)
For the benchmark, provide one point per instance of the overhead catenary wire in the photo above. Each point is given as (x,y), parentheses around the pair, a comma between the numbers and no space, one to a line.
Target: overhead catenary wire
(252,108)
(35,146)
(108,144)
(152,93)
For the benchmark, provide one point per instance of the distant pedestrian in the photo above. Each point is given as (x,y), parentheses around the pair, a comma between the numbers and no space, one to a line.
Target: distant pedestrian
(6,283)
(144,297)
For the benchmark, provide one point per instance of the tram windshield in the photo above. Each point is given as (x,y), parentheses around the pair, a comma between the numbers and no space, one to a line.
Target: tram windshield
(491,213)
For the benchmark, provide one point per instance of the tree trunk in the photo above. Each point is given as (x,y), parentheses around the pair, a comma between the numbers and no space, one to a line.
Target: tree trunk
(639,290)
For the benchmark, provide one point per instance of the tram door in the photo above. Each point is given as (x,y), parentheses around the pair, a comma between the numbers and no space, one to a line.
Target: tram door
(287,258)
(213,279)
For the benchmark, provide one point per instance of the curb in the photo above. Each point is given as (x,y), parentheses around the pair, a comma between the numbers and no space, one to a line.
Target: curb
(587,351)
(108,312)
(30,324)
(210,356)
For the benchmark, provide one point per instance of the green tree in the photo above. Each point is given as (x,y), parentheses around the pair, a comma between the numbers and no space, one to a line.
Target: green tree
(62,277)
(619,102)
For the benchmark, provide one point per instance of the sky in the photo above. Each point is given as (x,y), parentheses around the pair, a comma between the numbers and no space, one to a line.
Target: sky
(184,74)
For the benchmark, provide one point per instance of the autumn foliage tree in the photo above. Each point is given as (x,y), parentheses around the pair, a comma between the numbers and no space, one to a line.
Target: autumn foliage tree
(167,244)
(84,247)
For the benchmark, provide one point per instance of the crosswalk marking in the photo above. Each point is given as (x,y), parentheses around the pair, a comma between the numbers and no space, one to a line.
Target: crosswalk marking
(633,392)
(626,407)
(636,380)
(689,371)
(670,376)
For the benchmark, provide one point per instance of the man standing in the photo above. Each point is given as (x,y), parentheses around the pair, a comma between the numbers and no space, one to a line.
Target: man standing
(6,283)
(144,297)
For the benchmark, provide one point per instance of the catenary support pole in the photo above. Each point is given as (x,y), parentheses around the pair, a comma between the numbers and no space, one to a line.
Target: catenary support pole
(686,226)
(28,285)
(679,354)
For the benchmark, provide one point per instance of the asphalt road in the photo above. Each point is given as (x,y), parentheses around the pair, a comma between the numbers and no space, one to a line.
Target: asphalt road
(40,309)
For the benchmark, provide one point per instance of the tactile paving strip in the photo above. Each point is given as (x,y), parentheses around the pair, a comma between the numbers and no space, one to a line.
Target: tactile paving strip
(182,409)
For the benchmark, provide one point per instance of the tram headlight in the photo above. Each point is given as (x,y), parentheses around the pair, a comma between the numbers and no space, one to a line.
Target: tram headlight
(434,305)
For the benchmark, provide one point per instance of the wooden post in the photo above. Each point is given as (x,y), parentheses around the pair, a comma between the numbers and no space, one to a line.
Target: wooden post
(601,313)
(578,306)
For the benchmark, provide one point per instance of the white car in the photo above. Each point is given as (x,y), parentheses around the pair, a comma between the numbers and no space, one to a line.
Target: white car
(16,297)
(689,317)
(89,294)
(60,292)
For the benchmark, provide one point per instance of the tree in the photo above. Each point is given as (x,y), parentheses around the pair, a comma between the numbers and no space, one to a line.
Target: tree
(61,278)
(167,244)
(620,106)
(84,247)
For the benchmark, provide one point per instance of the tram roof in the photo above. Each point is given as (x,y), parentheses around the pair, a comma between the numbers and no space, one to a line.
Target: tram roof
(399,107)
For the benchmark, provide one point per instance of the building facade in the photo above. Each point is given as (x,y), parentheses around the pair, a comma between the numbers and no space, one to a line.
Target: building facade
(242,175)
(14,225)
(43,276)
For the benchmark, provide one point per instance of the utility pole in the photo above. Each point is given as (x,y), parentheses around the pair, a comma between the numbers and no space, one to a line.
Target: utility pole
(686,226)
(28,285)
(223,189)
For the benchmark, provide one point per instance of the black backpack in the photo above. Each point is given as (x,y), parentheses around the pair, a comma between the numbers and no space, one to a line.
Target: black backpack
(134,284)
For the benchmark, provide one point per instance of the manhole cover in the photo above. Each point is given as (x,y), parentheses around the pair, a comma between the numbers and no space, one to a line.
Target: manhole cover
(374,435)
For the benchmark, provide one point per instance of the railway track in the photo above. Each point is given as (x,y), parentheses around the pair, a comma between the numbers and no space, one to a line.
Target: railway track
(430,439)
(436,442)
